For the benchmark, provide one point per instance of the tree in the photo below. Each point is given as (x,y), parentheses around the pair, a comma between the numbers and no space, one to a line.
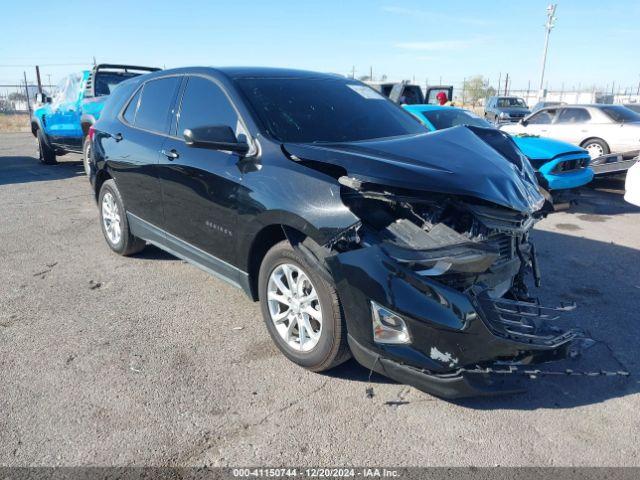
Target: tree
(475,89)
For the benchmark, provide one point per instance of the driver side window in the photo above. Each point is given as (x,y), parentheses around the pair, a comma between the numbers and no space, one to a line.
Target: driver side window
(204,104)
(544,117)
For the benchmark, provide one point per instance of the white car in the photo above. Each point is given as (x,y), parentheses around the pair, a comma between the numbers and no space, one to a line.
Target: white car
(632,185)
(600,129)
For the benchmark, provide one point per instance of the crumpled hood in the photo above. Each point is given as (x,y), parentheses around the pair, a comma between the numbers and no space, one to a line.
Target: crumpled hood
(458,161)
(538,148)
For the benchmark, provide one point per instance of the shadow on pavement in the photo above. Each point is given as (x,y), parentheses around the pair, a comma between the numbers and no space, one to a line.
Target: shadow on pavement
(18,169)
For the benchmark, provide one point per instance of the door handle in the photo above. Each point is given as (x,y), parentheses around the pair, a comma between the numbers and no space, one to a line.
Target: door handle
(117,137)
(171,154)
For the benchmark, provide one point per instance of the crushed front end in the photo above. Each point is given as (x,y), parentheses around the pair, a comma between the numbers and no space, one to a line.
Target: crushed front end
(432,279)
(435,286)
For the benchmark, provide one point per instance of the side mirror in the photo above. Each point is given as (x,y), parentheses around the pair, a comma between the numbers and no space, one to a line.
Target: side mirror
(42,98)
(524,122)
(219,137)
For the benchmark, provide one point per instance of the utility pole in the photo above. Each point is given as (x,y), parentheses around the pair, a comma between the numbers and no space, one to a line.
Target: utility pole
(38,78)
(353,72)
(26,89)
(506,83)
(371,73)
(551,20)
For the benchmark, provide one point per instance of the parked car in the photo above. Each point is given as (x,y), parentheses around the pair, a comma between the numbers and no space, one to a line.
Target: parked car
(633,106)
(559,165)
(402,92)
(600,129)
(358,231)
(505,109)
(541,105)
(632,184)
(61,124)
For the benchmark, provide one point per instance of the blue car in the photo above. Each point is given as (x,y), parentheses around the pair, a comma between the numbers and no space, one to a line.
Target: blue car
(61,125)
(559,165)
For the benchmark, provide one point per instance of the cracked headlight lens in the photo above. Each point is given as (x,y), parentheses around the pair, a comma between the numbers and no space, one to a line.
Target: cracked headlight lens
(388,327)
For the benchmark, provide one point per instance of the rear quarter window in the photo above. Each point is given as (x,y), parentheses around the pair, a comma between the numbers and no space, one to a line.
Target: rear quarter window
(130,112)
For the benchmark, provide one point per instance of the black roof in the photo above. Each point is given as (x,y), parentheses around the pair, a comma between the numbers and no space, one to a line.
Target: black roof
(253,72)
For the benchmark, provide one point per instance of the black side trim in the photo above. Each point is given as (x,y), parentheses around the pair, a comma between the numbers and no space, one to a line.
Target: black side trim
(181,249)
(452,386)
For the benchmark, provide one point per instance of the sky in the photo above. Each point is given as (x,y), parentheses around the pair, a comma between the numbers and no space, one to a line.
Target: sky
(593,43)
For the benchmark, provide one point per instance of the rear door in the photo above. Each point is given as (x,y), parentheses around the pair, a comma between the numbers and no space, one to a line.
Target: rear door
(134,151)
(200,185)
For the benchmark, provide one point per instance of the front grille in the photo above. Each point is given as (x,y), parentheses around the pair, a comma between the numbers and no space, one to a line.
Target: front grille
(571,165)
(526,322)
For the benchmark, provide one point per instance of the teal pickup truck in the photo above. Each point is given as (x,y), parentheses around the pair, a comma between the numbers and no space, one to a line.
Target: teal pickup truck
(61,125)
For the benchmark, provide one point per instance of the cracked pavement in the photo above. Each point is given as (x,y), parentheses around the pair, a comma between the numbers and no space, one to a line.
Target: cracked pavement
(138,361)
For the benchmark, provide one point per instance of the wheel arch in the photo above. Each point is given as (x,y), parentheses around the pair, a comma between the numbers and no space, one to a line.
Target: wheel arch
(265,239)
(101,177)
(586,140)
(85,123)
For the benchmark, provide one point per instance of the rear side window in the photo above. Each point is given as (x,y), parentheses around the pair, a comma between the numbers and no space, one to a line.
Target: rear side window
(130,112)
(157,97)
(621,114)
(573,115)
(204,104)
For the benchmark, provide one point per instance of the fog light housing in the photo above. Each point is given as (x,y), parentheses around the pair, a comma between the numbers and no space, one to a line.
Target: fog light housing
(388,327)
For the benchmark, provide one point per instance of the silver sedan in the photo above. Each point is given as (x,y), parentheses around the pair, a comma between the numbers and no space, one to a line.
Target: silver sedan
(600,129)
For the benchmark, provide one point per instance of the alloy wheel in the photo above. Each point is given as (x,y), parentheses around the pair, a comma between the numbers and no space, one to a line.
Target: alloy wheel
(111,218)
(294,307)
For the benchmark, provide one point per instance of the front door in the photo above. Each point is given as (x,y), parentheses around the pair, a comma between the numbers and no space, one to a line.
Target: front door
(200,185)
(62,124)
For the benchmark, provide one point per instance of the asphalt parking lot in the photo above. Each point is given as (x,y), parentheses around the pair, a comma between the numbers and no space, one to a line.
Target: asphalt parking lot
(147,360)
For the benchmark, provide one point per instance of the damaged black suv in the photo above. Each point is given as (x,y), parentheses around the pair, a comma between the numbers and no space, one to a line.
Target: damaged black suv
(357,230)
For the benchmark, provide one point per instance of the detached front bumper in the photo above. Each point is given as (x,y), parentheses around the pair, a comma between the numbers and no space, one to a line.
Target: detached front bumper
(450,331)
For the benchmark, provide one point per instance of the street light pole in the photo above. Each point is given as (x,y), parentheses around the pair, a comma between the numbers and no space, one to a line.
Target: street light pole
(551,19)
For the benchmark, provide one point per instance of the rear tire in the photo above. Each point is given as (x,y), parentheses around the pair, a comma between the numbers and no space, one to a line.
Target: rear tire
(328,337)
(113,219)
(596,147)
(86,155)
(46,154)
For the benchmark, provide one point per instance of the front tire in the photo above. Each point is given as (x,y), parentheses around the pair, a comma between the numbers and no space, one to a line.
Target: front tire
(301,310)
(46,154)
(86,155)
(113,219)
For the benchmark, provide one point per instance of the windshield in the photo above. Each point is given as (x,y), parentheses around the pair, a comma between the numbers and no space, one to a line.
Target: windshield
(310,110)
(621,114)
(106,81)
(451,117)
(508,102)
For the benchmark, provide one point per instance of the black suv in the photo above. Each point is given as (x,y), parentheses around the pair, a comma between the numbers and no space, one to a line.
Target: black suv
(357,230)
